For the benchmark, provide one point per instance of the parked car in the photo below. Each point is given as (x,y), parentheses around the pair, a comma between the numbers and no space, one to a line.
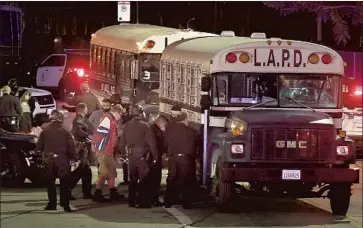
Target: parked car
(20,159)
(44,102)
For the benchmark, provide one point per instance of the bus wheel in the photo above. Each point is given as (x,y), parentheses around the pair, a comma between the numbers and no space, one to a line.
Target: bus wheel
(339,195)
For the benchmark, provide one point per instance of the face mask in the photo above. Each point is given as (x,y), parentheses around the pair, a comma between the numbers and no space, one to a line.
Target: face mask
(106,109)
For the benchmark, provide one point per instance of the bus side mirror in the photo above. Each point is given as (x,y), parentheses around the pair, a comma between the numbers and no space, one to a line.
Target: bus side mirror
(206,84)
(205,102)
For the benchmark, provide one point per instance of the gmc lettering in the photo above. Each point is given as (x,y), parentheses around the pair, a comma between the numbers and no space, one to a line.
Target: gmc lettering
(291,144)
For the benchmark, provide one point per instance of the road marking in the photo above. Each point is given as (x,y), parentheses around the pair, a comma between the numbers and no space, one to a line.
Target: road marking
(180,216)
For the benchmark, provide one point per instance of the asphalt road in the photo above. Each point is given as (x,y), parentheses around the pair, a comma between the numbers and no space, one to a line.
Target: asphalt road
(23,208)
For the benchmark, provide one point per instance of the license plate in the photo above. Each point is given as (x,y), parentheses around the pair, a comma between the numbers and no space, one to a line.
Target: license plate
(357,119)
(291,174)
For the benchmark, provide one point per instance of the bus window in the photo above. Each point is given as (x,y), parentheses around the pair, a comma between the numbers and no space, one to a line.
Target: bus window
(103,61)
(221,87)
(113,64)
(194,87)
(99,55)
(93,57)
(108,63)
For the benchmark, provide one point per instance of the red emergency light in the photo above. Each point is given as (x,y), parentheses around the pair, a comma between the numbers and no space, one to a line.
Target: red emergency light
(80,72)
(358,92)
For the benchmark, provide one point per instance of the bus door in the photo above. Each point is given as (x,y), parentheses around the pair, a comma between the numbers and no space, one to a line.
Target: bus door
(126,72)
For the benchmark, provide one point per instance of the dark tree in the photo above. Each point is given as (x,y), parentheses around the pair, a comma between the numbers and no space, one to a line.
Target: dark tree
(341,14)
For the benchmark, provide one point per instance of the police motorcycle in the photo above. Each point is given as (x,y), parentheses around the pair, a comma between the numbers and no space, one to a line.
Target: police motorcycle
(20,159)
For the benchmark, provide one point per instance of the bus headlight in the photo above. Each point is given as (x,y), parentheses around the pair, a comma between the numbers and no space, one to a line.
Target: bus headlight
(342,150)
(236,126)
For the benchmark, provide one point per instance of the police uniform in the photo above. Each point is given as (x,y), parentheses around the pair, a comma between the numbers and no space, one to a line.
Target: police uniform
(116,99)
(156,169)
(140,142)
(58,149)
(182,142)
(81,130)
(89,99)
(124,165)
(10,110)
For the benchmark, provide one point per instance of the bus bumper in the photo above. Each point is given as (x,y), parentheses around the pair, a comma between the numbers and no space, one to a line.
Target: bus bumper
(318,175)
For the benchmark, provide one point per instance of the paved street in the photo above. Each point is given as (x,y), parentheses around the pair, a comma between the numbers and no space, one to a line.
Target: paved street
(23,208)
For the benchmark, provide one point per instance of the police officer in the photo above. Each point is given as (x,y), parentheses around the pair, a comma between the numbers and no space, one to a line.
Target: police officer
(116,100)
(158,128)
(86,97)
(58,149)
(14,86)
(182,143)
(139,140)
(82,130)
(175,111)
(10,110)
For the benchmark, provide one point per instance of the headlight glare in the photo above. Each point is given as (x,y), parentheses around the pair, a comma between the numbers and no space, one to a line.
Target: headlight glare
(236,126)
(342,150)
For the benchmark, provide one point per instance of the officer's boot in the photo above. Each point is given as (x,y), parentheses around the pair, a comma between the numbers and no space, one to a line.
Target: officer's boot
(97,197)
(115,196)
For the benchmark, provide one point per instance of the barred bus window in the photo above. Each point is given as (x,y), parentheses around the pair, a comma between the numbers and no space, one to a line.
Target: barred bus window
(107,62)
(103,61)
(94,58)
(113,64)
(99,55)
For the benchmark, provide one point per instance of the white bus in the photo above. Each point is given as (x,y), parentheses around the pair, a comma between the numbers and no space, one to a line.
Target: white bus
(125,59)
(274,112)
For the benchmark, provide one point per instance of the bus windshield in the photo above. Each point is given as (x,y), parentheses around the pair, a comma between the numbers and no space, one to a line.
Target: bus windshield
(277,90)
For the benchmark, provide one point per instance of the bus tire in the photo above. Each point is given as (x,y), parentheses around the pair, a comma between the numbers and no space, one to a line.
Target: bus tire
(339,195)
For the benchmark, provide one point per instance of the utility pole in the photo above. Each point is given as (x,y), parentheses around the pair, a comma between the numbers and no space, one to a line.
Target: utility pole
(319,29)
(137,12)
(215,16)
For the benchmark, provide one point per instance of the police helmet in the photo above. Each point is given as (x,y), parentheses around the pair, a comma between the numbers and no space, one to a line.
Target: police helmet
(137,110)
(13,84)
(56,115)
(175,110)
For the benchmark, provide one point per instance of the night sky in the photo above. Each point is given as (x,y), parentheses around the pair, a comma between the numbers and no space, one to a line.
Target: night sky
(241,17)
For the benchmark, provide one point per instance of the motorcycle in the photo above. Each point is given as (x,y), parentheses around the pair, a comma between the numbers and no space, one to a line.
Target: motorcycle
(20,159)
